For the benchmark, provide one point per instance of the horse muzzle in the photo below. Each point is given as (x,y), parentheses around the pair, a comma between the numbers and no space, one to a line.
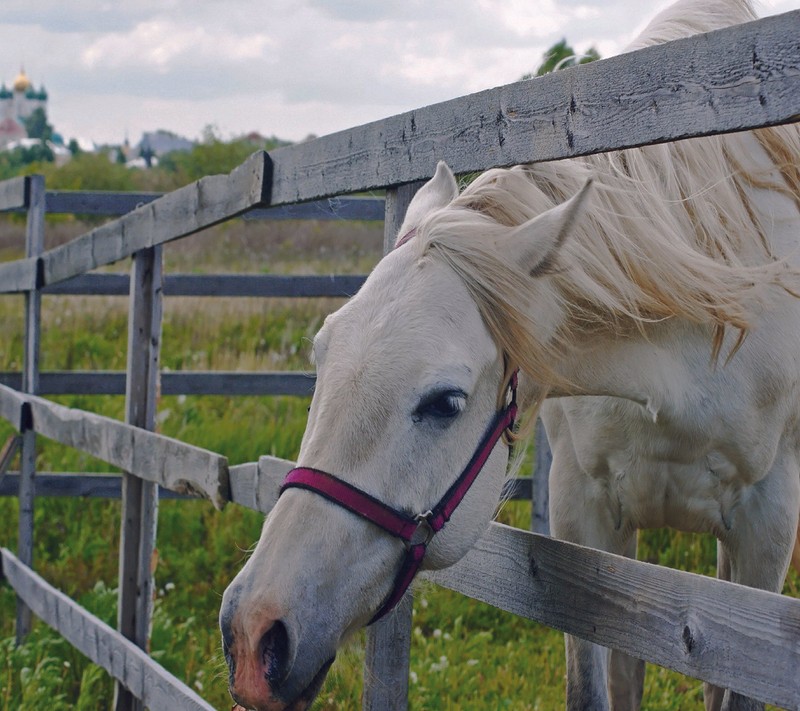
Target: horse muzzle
(270,669)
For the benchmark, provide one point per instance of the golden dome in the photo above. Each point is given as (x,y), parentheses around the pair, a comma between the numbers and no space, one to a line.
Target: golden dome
(22,83)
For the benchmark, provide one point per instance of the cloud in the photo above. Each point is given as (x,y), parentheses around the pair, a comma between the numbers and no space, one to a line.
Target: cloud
(78,15)
(164,44)
(288,67)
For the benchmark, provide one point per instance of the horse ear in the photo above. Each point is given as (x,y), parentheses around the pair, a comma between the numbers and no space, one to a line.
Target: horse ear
(438,192)
(537,241)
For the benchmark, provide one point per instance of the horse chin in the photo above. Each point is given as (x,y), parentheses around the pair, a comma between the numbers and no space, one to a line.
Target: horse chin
(302,702)
(308,694)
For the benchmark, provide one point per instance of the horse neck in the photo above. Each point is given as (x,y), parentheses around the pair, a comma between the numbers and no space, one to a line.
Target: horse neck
(651,368)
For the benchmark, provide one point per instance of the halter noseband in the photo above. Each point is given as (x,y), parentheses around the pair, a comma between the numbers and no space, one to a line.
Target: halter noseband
(416,531)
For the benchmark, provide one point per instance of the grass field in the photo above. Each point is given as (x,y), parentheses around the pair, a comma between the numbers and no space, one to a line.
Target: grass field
(465,655)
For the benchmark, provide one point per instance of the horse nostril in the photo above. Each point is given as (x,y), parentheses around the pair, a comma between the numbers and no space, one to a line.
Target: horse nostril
(275,653)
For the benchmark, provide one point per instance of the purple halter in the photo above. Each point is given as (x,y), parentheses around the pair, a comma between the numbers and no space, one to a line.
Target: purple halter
(416,531)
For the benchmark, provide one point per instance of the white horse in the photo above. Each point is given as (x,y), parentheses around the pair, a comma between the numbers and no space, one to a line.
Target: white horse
(648,300)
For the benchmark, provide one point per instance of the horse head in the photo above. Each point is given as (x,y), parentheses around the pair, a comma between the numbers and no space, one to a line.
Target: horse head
(409,379)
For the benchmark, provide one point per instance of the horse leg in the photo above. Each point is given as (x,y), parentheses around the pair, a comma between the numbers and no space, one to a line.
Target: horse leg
(626,673)
(578,514)
(757,549)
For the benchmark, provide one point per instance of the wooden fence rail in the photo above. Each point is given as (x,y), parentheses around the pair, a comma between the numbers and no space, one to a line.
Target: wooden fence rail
(730,80)
(142,676)
(215,382)
(168,462)
(111,204)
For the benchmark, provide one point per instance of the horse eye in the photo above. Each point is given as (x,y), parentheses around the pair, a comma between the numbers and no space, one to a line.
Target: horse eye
(441,405)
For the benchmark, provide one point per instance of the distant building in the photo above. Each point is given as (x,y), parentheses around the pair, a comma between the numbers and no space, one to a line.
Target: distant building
(17,104)
(159,143)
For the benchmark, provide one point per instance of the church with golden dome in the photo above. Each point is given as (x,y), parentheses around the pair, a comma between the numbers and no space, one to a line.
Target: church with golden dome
(16,104)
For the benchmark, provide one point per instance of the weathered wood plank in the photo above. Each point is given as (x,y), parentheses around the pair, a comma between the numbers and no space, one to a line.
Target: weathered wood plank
(19,275)
(101,203)
(729,80)
(169,462)
(96,486)
(243,479)
(145,678)
(139,497)
(257,285)
(256,485)
(263,285)
(540,483)
(104,203)
(34,244)
(13,194)
(334,208)
(11,402)
(732,636)
(387,659)
(182,212)
(91,285)
(71,382)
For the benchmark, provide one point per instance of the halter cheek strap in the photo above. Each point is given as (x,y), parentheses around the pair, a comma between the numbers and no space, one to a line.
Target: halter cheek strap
(416,531)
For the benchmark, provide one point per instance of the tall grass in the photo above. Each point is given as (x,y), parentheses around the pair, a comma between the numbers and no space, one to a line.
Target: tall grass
(465,655)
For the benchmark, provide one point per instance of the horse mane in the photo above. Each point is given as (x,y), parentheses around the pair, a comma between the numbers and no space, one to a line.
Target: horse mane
(670,232)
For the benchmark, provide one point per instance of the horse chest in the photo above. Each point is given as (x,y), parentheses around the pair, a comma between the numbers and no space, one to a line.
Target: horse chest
(689,470)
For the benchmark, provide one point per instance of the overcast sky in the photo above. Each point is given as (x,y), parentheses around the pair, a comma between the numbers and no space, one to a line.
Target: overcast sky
(116,68)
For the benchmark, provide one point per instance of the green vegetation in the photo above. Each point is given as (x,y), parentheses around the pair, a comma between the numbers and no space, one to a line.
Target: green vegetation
(105,170)
(561,56)
(465,655)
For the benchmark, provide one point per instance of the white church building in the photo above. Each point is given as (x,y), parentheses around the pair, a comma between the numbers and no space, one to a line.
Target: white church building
(16,104)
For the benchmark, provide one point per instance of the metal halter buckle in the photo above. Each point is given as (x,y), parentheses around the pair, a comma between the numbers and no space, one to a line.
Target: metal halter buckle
(424,532)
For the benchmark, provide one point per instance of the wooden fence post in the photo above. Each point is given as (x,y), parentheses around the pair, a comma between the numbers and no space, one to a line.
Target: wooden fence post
(139,497)
(389,639)
(540,487)
(34,245)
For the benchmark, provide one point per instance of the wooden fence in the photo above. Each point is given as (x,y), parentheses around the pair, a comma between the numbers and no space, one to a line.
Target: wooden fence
(730,80)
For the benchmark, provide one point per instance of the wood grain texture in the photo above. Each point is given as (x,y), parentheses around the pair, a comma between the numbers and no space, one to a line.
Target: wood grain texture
(187,210)
(387,659)
(34,244)
(256,485)
(730,635)
(333,208)
(257,285)
(18,276)
(13,194)
(140,497)
(99,486)
(540,482)
(85,202)
(100,203)
(215,382)
(729,80)
(144,677)
(169,462)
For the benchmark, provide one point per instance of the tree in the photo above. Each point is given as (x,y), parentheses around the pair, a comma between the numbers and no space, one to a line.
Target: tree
(561,56)
(90,171)
(36,125)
